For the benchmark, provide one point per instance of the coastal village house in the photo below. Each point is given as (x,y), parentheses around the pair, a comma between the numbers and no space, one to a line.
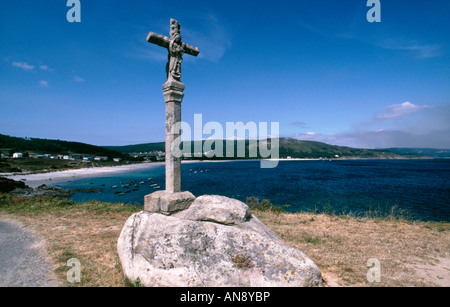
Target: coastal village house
(17,155)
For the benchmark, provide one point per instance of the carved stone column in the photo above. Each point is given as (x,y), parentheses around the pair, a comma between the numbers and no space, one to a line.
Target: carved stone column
(173,96)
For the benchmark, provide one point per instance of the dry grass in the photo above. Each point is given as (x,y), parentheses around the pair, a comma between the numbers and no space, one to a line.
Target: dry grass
(410,253)
(87,232)
(88,237)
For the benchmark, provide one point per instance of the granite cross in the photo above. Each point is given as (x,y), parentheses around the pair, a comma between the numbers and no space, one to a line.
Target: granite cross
(173,95)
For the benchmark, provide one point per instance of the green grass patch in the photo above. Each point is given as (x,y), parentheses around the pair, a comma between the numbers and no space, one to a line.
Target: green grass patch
(264,205)
(308,238)
(20,205)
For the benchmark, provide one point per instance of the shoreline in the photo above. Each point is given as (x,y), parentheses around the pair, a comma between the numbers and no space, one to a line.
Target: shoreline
(48,178)
(36,180)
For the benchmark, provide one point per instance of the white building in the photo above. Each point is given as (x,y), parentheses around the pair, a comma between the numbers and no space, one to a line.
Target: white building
(18,155)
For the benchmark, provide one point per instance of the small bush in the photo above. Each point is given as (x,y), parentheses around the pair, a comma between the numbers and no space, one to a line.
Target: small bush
(263,205)
(136,284)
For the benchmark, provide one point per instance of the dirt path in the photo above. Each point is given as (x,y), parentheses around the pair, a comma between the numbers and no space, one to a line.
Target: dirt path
(21,262)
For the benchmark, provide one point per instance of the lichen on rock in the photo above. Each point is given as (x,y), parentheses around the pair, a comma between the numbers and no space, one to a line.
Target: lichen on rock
(216,241)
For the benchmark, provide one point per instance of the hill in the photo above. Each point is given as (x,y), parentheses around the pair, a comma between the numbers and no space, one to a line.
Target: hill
(288,148)
(311,149)
(430,152)
(12,144)
(148,147)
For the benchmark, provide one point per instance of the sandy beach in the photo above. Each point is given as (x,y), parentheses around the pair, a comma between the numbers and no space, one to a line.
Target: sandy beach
(35,180)
(48,178)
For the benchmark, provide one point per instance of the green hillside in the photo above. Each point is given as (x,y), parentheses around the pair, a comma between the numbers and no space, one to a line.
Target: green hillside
(148,147)
(311,149)
(11,144)
(288,148)
(431,152)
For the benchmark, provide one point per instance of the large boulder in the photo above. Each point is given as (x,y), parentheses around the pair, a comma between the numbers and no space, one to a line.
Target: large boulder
(217,209)
(214,242)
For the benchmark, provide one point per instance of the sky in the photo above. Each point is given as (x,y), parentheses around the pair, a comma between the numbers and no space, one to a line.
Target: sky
(318,68)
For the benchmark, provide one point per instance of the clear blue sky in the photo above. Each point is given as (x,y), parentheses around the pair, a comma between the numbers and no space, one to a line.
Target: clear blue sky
(319,68)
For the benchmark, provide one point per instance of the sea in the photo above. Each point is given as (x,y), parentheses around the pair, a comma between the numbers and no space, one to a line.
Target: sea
(414,189)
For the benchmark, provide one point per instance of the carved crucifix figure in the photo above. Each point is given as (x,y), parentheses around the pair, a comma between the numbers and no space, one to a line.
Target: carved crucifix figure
(173,95)
(175,47)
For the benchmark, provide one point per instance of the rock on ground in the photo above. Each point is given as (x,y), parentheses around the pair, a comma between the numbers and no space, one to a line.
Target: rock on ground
(215,242)
(42,191)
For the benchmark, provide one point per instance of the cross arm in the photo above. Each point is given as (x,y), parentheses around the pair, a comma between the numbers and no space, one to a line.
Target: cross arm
(164,41)
(191,50)
(158,39)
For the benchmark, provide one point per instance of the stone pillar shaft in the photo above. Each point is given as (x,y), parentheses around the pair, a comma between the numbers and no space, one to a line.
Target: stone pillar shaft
(173,96)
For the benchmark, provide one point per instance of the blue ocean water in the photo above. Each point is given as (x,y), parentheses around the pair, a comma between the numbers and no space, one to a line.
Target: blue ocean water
(419,187)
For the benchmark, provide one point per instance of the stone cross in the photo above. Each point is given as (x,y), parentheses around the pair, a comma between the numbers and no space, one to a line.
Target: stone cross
(173,95)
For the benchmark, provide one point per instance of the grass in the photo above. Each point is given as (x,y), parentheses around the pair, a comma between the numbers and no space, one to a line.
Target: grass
(341,246)
(85,231)
(387,212)
(264,205)
(411,253)
(379,213)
